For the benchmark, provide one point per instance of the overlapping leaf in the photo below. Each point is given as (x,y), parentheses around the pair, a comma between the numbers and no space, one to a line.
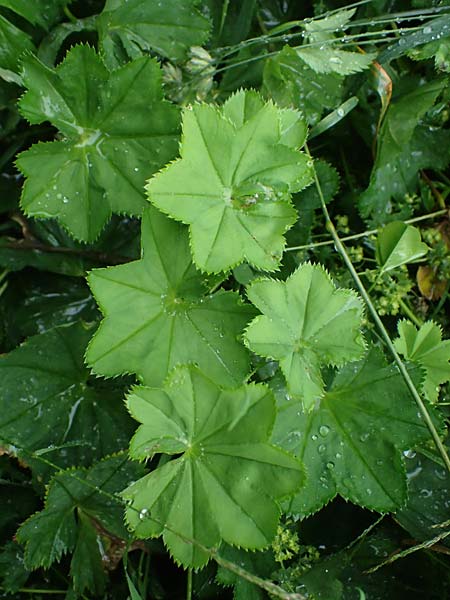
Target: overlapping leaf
(157,314)
(13,42)
(307,323)
(46,401)
(136,26)
(398,244)
(352,442)
(39,12)
(117,130)
(426,348)
(232,184)
(80,512)
(225,483)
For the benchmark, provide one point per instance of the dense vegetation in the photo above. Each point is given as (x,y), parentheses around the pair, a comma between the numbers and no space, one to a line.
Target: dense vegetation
(224,294)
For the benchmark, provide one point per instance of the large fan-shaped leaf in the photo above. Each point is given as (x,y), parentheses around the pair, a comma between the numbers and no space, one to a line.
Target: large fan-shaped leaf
(117,131)
(352,442)
(233,181)
(307,323)
(426,348)
(170,28)
(157,314)
(224,483)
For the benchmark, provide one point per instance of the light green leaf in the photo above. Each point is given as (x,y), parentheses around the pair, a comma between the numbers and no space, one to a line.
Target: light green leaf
(225,483)
(46,401)
(289,81)
(307,323)
(333,60)
(352,442)
(157,314)
(321,30)
(75,499)
(426,348)
(137,26)
(233,183)
(116,133)
(398,244)
(13,43)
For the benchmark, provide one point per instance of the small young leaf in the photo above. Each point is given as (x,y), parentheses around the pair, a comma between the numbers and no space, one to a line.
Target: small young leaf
(398,244)
(307,323)
(426,348)
(157,314)
(333,60)
(224,484)
(75,501)
(233,183)
(352,443)
(116,130)
(138,26)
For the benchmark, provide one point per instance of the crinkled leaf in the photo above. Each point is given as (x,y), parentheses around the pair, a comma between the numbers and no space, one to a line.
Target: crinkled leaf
(224,484)
(137,26)
(333,60)
(157,314)
(77,500)
(398,244)
(233,182)
(116,133)
(428,503)
(426,348)
(291,82)
(401,153)
(47,403)
(352,442)
(13,42)
(306,323)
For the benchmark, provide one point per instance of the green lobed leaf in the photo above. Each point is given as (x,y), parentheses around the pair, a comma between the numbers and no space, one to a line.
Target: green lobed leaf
(137,26)
(116,133)
(426,348)
(333,60)
(352,442)
(158,314)
(306,323)
(289,81)
(398,244)
(224,483)
(76,501)
(48,405)
(232,184)
(13,43)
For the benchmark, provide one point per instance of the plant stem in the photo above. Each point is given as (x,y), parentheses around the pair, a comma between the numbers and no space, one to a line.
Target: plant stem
(409,313)
(379,323)
(189,585)
(356,236)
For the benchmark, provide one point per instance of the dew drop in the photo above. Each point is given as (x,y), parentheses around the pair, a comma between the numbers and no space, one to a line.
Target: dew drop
(324,430)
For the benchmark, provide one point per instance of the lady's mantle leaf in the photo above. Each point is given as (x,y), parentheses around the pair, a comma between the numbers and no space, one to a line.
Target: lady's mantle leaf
(46,402)
(117,131)
(398,244)
(307,323)
(233,182)
(170,28)
(351,443)
(80,505)
(157,315)
(224,483)
(426,348)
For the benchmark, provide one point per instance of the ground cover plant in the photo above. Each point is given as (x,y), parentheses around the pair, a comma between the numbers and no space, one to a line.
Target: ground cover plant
(224,294)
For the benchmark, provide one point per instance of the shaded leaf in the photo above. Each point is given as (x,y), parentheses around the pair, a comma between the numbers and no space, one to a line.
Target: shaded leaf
(398,244)
(307,323)
(50,406)
(233,182)
(116,133)
(137,26)
(224,484)
(351,443)
(426,348)
(13,43)
(38,12)
(157,314)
